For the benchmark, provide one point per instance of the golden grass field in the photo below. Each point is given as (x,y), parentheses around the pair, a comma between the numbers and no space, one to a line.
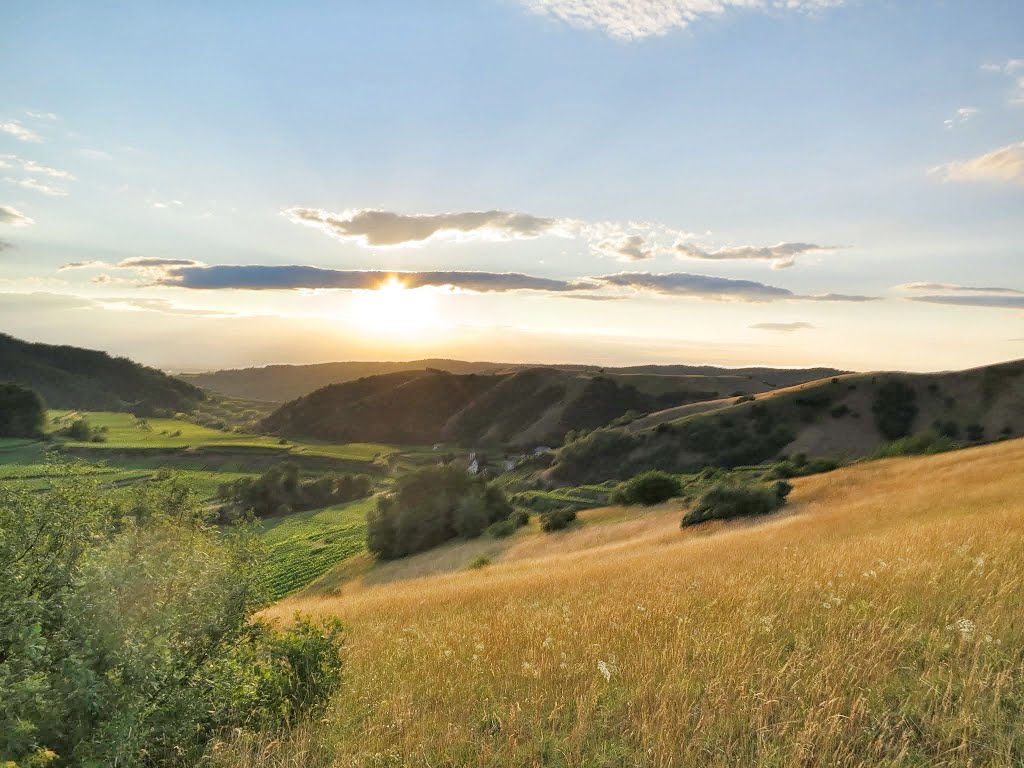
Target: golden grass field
(878,621)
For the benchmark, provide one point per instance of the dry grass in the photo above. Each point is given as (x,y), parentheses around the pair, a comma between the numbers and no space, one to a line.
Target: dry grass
(879,623)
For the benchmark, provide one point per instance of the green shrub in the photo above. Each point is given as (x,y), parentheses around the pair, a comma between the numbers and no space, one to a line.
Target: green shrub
(724,501)
(481,561)
(432,506)
(557,519)
(789,468)
(895,409)
(282,490)
(922,443)
(501,529)
(21,411)
(128,633)
(647,488)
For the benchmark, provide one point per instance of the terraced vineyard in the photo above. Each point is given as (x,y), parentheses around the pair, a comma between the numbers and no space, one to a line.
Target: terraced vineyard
(303,546)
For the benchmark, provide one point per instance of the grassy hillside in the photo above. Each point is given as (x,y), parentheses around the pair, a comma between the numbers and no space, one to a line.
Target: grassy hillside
(841,417)
(282,383)
(70,377)
(877,622)
(526,407)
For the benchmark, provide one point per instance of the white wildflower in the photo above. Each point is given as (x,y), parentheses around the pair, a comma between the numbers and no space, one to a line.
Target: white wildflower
(548,643)
(966,628)
(605,670)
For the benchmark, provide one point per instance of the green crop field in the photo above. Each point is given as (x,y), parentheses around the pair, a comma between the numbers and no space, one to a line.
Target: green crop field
(303,546)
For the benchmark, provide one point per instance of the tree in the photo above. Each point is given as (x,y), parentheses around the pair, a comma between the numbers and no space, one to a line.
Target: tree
(895,409)
(21,411)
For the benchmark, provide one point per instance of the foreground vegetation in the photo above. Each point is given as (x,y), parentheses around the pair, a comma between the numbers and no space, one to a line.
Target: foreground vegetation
(879,622)
(127,632)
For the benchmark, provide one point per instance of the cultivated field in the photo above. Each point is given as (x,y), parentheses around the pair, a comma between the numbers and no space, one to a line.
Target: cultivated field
(879,621)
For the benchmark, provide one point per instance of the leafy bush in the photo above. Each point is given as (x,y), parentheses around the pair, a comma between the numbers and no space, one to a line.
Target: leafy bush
(796,468)
(508,526)
(557,519)
(647,488)
(432,506)
(923,443)
(127,630)
(281,490)
(21,411)
(82,431)
(895,409)
(480,561)
(724,501)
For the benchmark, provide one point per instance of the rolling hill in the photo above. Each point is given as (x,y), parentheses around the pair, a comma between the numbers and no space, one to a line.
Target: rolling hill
(71,377)
(876,621)
(842,417)
(283,383)
(525,407)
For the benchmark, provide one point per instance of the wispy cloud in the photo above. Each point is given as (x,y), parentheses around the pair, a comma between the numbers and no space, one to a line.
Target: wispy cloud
(155,262)
(1005,164)
(48,116)
(1001,301)
(141,263)
(637,19)
(94,154)
(373,227)
(256,277)
(626,248)
(35,185)
(782,327)
(31,166)
(956,288)
(19,131)
(622,241)
(962,115)
(714,288)
(1013,68)
(168,204)
(83,265)
(15,218)
(781,256)
(966,295)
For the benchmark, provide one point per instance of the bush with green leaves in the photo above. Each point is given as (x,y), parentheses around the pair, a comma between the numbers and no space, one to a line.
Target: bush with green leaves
(21,411)
(128,634)
(282,490)
(727,500)
(920,444)
(432,506)
(800,466)
(895,408)
(647,488)
(557,519)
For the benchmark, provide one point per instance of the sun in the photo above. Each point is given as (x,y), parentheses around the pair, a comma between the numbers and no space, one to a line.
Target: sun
(393,309)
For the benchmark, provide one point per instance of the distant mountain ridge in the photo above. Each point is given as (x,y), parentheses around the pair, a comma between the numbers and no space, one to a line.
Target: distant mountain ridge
(72,377)
(519,407)
(282,383)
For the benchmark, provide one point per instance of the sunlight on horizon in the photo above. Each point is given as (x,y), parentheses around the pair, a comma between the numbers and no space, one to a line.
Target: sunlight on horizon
(392,309)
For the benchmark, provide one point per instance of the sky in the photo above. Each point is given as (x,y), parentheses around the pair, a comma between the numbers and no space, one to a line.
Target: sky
(785,182)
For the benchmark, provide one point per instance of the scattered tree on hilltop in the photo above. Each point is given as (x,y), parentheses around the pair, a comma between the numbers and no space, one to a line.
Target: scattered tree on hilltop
(895,409)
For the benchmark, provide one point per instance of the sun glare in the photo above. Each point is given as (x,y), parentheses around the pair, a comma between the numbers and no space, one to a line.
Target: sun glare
(394,309)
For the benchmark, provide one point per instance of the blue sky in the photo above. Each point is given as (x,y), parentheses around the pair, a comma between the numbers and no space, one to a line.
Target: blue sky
(693,182)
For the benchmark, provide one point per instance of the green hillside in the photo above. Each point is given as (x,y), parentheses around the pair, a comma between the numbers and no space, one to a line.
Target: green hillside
(532,406)
(71,377)
(844,417)
(282,383)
